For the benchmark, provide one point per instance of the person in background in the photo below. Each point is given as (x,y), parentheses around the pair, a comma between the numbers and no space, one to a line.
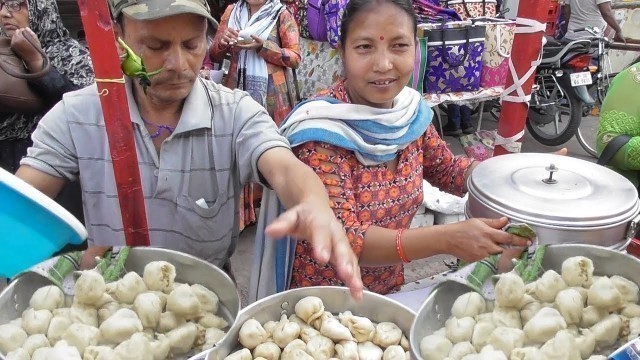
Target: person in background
(197,143)
(263,40)
(459,120)
(371,141)
(620,116)
(579,14)
(71,69)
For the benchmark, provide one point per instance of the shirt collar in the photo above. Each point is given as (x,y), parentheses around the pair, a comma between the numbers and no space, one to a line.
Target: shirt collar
(196,112)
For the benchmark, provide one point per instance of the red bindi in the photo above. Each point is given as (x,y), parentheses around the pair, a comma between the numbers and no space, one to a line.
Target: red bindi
(381,37)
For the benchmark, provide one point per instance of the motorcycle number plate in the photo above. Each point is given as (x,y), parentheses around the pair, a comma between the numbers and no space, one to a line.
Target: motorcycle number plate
(581,78)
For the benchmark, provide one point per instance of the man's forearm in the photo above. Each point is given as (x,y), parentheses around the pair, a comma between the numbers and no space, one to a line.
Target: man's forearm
(292,180)
(611,21)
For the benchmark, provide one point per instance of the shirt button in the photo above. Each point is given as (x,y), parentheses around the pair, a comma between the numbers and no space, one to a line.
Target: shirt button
(156,172)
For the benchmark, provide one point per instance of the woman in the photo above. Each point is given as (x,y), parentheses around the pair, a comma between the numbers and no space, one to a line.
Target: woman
(71,67)
(621,116)
(370,139)
(262,38)
(39,21)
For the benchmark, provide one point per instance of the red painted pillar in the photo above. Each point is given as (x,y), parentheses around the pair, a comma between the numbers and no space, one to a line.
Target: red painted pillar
(527,45)
(98,28)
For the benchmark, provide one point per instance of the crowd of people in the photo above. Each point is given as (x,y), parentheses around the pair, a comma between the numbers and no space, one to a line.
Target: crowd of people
(347,165)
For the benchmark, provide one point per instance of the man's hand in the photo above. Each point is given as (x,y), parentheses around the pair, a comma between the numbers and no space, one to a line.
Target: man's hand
(318,225)
(310,216)
(619,38)
(25,50)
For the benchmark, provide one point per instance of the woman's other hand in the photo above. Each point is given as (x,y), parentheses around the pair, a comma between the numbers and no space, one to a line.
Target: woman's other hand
(256,44)
(229,38)
(25,50)
(476,239)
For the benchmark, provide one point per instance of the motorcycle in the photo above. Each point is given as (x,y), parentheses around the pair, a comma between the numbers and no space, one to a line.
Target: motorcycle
(560,91)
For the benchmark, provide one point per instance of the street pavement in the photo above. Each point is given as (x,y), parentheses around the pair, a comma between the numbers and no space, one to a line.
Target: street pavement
(416,270)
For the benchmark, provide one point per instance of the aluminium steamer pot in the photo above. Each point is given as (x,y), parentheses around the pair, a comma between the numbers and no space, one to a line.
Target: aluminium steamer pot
(565,200)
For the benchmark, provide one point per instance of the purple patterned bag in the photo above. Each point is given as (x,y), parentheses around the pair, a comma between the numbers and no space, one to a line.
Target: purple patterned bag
(335,11)
(317,19)
(455,58)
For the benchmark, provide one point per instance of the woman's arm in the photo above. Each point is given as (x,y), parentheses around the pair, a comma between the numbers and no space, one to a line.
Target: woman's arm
(287,53)
(218,50)
(376,246)
(52,85)
(622,116)
(441,168)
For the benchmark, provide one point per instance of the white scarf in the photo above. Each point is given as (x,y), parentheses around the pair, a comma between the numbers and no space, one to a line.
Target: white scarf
(252,68)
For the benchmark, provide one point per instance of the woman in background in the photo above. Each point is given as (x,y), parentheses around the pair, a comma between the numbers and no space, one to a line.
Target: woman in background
(262,38)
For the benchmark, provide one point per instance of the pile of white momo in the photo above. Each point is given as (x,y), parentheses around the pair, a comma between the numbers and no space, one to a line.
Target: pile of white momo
(141,318)
(569,316)
(313,333)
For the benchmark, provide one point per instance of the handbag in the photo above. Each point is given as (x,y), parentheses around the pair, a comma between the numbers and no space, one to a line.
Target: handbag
(469,9)
(454,55)
(15,94)
(498,44)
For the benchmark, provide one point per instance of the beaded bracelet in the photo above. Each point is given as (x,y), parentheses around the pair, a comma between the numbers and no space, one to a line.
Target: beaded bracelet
(401,254)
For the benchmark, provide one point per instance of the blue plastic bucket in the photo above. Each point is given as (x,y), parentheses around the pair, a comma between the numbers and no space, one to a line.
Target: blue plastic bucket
(32,226)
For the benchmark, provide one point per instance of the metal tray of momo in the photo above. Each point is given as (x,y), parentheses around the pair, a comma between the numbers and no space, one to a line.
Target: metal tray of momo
(437,308)
(376,307)
(191,270)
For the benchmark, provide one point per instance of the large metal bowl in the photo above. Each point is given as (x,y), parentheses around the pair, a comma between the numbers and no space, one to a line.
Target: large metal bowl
(437,308)
(376,307)
(15,298)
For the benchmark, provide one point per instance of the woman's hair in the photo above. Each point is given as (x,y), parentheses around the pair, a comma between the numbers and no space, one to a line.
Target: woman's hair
(356,6)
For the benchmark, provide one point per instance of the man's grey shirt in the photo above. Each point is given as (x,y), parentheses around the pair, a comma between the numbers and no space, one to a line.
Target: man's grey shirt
(213,151)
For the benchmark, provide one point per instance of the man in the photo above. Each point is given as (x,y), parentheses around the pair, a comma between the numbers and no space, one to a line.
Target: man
(580,14)
(197,144)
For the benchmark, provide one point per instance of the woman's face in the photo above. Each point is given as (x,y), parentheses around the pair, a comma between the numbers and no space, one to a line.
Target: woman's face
(256,3)
(378,55)
(14,15)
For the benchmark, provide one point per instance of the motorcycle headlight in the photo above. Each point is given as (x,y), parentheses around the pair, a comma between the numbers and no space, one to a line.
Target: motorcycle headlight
(559,73)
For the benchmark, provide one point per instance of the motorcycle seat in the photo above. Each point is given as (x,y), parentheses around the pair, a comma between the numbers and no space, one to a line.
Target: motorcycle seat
(552,42)
(551,51)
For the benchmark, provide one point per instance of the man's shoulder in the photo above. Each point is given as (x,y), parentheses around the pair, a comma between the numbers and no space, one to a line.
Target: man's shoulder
(221,95)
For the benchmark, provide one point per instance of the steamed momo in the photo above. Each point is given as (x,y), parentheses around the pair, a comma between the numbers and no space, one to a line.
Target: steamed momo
(148,307)
(35,342)
(470,304)
(128,288)
(321,347)
(548,286)
(577,271)
(207,298)
(159,276)
(252,334)
(387,334)
(136,348)
(435,347)
(36,321)
(184,302)
(286,331)
(369,351)
(347,350)
(509,291)
(81,336)
(11,338)
(459,330)
(120,326)
(628,289)
(394,352)
(361,328)
(309,309)
(89,288)
(182,338)
(267,350)
(604,294)
(47,298)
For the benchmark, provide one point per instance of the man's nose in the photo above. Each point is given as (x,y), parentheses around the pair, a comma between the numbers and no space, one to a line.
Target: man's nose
(176,60)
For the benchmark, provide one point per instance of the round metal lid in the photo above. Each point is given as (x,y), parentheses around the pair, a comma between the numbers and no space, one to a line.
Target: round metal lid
(554,190)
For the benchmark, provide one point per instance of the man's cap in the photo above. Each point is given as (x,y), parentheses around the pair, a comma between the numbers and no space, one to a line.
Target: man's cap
(156,9)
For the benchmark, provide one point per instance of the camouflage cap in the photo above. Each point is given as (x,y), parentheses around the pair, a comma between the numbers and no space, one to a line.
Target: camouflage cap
(156,9)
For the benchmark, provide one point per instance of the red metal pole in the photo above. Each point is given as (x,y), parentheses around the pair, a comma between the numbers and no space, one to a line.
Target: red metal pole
(98,28)
(526,49)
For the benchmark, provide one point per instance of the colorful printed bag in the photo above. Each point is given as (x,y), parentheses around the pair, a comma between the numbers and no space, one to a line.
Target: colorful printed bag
(497,50)
(335,12)
(317,19)
(429,11)
(469,9)
(299,10)
(420,66)
(454,52)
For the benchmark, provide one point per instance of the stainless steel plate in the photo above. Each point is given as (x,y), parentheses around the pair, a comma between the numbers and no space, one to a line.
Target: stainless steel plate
(376,307)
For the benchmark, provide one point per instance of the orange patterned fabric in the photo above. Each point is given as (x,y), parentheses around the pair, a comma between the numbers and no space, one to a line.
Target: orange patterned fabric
(362,196)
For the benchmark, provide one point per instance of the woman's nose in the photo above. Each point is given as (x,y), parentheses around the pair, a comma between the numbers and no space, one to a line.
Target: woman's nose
(382,62)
